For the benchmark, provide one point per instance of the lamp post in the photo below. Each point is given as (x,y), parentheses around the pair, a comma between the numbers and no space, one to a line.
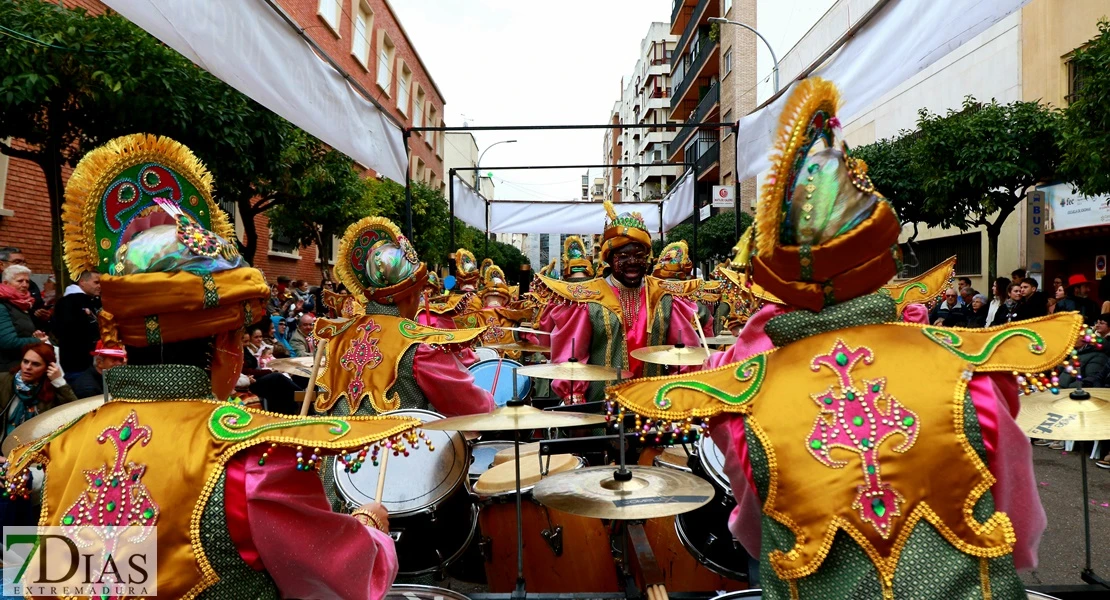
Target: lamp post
(774,60)
(478,183)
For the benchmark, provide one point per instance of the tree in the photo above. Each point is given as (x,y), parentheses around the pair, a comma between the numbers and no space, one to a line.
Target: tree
(1086,123)
(977,164)
(891,168)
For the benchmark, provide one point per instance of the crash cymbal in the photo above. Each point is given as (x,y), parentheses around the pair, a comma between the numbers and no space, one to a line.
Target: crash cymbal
(45,424)
(1048,416)
(514,418)
(293,366)
(672,355)
(573,371)
(652,492)
(519,347)
(721,340)
(527,330)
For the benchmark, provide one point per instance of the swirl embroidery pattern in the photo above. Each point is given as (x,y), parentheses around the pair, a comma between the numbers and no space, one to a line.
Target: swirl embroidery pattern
(362,354)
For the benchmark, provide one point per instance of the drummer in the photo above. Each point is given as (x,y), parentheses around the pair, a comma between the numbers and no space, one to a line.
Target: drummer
(674,264)
(577,265)
(235,518)
(463,298)
(601,320)
(495,312)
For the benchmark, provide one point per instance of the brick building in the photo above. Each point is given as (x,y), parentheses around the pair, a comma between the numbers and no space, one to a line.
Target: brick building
(368,42)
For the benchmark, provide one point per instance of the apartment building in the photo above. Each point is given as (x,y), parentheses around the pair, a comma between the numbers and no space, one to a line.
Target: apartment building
(696,96)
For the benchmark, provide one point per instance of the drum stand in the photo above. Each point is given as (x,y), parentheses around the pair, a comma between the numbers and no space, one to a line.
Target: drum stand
(1087,574)
(519,592)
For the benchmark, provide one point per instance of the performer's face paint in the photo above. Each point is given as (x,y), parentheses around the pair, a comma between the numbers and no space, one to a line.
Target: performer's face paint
(630,264)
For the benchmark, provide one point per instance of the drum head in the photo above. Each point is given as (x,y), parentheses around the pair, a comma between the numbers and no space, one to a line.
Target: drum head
(1039,596)
(414,482)
(740,594)
(509,453)
(672,457)
(486,353)
(502,478)
(485,371)
(484,455)
(713,462)
(422,592)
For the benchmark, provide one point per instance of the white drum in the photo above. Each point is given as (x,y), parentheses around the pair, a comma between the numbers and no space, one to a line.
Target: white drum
(486,353)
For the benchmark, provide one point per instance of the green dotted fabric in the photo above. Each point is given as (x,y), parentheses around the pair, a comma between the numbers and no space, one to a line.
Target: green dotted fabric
(615,357)
(158,382)
(238,581)
(929,567)
(800,324)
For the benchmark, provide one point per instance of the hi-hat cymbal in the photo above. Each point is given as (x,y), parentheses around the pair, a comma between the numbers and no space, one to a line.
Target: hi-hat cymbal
(1048,416)
(721,340)
(514,418)
(573,371)
(672,355)
(293,366)
(519,347)
(45,424)
(652,492)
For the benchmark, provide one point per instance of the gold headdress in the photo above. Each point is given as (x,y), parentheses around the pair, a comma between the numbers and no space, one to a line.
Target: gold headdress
(379,263)
(495,283)
(621,230)
(575,259)
(923,289)
(466,269)
(823,233)
(674,262)
(548,270)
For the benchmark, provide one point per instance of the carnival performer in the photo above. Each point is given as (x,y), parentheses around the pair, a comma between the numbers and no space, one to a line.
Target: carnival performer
(463,298)
(674,264)
(433,292)
(577,265)
(496,313)
(238,514)
(836,415)
(601,320)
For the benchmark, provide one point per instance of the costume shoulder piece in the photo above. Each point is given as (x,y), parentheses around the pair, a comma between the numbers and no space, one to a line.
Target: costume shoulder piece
(368,351)
(923,289)
(378,263)
(342,304)
(594,291)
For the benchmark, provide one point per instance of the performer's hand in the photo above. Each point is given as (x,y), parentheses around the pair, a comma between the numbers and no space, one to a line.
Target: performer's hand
(379,512)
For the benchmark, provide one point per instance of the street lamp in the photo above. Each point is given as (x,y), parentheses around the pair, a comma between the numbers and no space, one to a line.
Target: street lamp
(478,165)
(769,49)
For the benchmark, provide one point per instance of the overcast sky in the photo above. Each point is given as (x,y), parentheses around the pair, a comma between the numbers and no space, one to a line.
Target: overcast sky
(512,62)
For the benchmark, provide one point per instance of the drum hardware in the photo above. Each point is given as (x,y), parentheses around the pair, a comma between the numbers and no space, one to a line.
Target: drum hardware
(597,407)
(554,538)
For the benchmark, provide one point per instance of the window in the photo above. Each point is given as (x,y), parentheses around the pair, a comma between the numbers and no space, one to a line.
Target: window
(283,245)
(1076,75)
(430,136)
(330,11)
(442,139)
(418,108)
(728,61)
(363,26)
(728,119)
(968,248)
(728,6)
(419,174)
(404,84)
(386,50)
(545,252)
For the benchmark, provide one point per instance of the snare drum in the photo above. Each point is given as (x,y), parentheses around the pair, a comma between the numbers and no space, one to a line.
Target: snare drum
(431,517)
(562,552)
(422,592)
(484,353)
(486,370)
(507,454)
(704,531)
(484,455)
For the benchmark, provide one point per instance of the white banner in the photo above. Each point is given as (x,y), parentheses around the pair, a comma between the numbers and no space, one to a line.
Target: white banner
(247,44)
(679,203)
(470,206)
(1068,209)
(902,40)
(585,218)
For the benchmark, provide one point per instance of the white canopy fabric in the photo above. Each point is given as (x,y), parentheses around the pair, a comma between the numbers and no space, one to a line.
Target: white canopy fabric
(470,206)
(248,45)
(903,39)
(679,203)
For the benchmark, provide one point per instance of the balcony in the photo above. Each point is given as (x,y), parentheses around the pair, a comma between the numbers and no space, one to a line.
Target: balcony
(705,108)
(708,160)
(690,31)
(707,55)
(679,20)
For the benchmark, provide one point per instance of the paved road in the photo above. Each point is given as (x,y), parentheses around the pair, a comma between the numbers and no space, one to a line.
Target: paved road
(1061,556)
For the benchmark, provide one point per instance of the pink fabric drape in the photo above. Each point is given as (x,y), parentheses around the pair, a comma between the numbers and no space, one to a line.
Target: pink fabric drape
(447,385)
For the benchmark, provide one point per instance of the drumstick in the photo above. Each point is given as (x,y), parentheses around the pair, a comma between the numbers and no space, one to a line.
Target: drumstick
(496,375)
(381,476)
(701,336)
(310,393)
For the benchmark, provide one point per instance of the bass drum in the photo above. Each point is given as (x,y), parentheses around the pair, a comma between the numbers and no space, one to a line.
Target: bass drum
(431,516)
(704,531)
(486,371)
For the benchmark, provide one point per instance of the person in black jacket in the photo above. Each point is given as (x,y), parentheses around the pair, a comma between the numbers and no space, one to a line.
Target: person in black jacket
(75,325)
(90,382)
(1033,302)
(1077,296)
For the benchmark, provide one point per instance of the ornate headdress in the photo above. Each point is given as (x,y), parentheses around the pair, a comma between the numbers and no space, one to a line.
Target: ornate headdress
(548,270)
(823,233)
(466,268)
(925,289)
(674,262)
(495,283)
(434,282)
(576,261)
(621,230)
(375,260)
(486,264)
(139,210)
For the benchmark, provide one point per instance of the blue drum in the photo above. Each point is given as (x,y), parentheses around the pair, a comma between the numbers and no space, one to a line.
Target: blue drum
(484,372)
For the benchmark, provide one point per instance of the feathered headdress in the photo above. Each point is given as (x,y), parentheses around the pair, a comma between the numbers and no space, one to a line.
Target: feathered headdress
(378,262)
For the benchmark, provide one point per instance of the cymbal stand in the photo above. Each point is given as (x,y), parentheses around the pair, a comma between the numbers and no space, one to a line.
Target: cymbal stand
(1087,574)
(518,592)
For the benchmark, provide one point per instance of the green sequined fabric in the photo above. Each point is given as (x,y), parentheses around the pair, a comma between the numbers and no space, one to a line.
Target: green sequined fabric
(238,581)
(373,308)
(800,324)
(607,345)
(158,382)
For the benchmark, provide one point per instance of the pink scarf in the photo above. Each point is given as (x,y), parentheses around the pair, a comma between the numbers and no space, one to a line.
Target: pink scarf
(18,299)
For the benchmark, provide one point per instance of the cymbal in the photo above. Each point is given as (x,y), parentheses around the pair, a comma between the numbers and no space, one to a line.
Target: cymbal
(514,418)
(45,424)
(527,330)
(293,366)
(721,340)
(652,492)
(573,371)
(1048,416)
(518,346)
(672,355)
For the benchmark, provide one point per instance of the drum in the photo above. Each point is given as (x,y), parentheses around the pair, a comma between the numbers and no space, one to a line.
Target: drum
(509,453)
(563,553)
(1039,596)
(431,516)
(484,455)
(486,370)
(422,592)
(737,595)
(704,531)
(681,571)
(484,353)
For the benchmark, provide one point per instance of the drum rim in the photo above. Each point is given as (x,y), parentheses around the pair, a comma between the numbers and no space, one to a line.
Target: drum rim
(454,557)
(702,558)
(523,388)
(449,490)
(709,468)
(475,445)
(430,589)
(656,462)
(492,498)
(748,593)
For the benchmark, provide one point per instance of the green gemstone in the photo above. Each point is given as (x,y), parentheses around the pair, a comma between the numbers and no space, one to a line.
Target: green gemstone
(815,444)
(67,520)
(841,358)
(878,506)
(907,421)
(870,469)
(111,506)
(875,388)
(115,482)
(857,421)
(124,433)
(850,395)
(828,400)
(148,513)
(99,482)
(866,443)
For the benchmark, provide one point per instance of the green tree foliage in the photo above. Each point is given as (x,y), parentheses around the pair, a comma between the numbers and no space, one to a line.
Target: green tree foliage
(716,236)
(891,168)
(1086,126)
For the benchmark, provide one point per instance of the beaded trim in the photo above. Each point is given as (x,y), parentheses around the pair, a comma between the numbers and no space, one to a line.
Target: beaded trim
(153,331)
(211,292)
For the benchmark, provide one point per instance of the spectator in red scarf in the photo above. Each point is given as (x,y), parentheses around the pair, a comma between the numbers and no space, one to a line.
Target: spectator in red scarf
(17,328)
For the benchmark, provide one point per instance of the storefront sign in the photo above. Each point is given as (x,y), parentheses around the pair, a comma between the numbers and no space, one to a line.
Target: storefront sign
(1034,231)
(1068,209)
(1100,266)
(724,196)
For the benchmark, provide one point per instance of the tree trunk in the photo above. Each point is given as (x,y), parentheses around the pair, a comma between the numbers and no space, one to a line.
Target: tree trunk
(249,246)
(51,166)
(994,229)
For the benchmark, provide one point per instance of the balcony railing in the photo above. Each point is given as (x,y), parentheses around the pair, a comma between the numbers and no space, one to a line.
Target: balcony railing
(704,108)
(690,31)
(706,49)
(710,156)
(676,7)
